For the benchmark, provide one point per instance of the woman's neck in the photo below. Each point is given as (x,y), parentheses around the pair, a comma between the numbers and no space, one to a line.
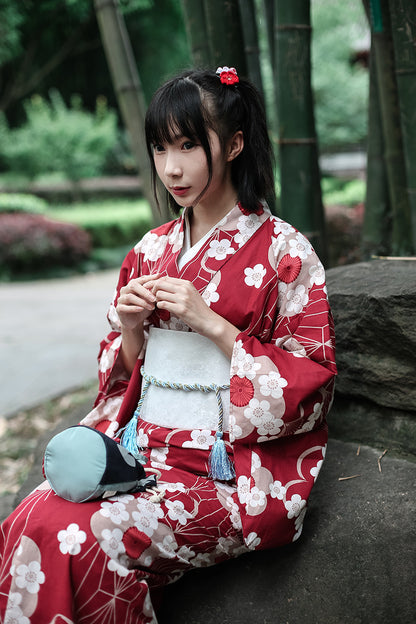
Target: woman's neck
(203,217)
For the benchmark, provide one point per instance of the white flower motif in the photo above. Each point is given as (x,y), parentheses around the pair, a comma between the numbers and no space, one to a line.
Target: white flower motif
(112,542)
(300,247)
(201,438)
(149,509)
(174,487)
(317,274)
(108,355)
(210,294)
(269,426)
(243,488)
(174,323)
(185,553)
(255,462)
(202,560)
(256,497)
(234,513)
(316,469)
(220,249)
(282,226)
(297,299)
(71,539)
(310,423)
(277,490)
(247,225)
(225,545)
(115,511)
(14,613)
(252,540)
(254,276)
(272,384)
(247,365)
(153,246)
(278,244)
(177,511)
(294,506)
(168,546)
(29,577)
(257,412)
(176,238)
(115,566)
(142,439)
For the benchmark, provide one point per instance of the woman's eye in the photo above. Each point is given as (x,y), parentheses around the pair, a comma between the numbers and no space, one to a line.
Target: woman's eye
(188,145)
(157,149)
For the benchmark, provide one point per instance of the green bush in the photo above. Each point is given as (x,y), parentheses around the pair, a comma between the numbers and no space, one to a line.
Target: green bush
(58,138)
(109,223)
(22,202)
(343,192)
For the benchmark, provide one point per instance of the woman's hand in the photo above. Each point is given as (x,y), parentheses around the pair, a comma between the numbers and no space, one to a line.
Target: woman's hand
(136,301)
(181,298)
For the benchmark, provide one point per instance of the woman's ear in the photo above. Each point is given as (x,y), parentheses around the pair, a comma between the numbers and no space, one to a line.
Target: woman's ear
(235,146)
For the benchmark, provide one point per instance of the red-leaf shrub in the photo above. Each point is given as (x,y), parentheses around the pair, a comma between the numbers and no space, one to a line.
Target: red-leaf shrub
(32,241)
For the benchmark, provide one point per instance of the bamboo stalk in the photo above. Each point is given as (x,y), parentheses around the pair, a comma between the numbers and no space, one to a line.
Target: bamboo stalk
(226,34)
(197,33)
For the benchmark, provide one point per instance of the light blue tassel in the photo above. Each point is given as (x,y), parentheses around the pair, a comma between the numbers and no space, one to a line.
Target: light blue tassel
(220,467)
(129,435)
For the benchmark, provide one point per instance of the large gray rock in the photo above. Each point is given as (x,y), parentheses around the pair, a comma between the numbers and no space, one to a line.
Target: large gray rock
(374,308)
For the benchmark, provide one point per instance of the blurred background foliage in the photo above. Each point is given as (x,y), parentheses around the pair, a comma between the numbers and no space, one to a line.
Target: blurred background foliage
(59,119)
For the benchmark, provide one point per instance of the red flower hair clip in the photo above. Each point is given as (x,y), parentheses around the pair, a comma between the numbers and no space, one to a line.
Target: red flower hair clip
(228,75)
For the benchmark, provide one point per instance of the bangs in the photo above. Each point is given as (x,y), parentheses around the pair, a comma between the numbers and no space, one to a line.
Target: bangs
(176,111)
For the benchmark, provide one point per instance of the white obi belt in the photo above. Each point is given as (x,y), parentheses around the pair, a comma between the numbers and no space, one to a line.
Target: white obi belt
(187,359)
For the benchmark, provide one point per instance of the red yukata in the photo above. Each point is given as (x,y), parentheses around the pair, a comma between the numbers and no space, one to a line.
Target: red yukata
(94,562)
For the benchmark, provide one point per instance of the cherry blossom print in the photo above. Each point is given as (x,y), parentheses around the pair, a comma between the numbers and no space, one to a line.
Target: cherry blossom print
(135,542)
(146,519)
(153,246)
(243,488)
(220,249)
(246,364)
(29,577)
(115,566)
(281,227)
(289,268)
(185,553)
(255,498)
(210,294)
(247,225)
(255,462)
(294,506)
(177,511)
(176,238)
(112,542)
(108,356)
(252,541)
(142,439)
(71,539)
(115,511)
(296,299)
(316,469)
(272,384)
(300,246)
(168,546)
(269,426)
(277,490)
(14,613)
(278,245)
(158,457)
(258,411)
(254,276)
(174,487)
(241,391)
(309,424)
(173,322)
(317,274)
(201,438)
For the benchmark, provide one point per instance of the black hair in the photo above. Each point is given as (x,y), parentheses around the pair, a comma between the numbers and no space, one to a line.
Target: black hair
(195,102)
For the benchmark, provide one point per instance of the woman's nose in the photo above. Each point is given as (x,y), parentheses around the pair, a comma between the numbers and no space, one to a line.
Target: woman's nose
(172,165)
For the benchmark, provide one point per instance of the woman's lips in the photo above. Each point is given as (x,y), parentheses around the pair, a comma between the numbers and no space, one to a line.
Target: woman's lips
(179,190)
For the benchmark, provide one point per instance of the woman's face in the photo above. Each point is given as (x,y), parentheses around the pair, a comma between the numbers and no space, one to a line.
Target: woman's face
(183,168)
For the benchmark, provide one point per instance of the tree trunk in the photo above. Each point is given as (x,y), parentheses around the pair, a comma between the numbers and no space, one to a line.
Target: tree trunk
(226,34)
(401,244)
(270,24)
(301,199)
(197,34)
(127,86)
(403,19)
(376,235)
(251,42)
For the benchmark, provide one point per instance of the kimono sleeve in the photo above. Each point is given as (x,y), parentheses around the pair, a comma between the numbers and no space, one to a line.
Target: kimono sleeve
(285,386)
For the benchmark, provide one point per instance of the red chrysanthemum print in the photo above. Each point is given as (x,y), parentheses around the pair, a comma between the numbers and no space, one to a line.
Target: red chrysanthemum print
(289,268)
(135,542)
(241,391)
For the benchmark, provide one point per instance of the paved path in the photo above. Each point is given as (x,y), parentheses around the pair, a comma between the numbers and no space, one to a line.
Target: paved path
(49,336)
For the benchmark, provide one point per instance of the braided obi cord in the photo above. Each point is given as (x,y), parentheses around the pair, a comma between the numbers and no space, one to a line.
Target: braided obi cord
(220,466)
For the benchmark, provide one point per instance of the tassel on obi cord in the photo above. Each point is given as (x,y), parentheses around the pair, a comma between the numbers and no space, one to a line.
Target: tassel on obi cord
(220,467)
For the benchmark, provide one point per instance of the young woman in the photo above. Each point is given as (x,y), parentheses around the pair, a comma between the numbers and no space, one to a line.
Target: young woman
(229,303)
